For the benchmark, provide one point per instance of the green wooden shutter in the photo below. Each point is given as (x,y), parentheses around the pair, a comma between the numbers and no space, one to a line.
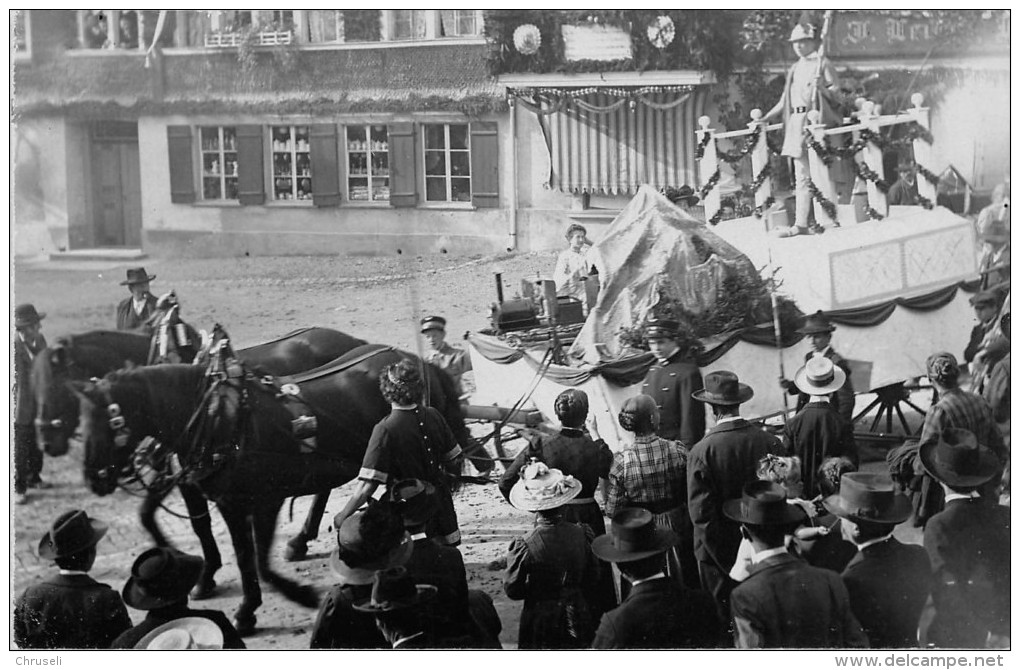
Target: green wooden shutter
(403,159)
(251,173)
(182,169)
(485,164)
(325,165)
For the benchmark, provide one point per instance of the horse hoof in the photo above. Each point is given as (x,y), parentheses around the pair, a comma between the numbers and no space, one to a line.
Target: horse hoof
(204,590)
(296,551)
(245,626)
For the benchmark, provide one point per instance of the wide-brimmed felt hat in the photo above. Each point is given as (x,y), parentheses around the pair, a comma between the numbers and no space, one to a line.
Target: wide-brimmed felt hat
(870,497)
(657,327)
(542,488)
(803,31)
(433,323)
(72,532)
(369,541)
(984,298)
(995,232)
(25,315)
(722,387)
(632,536)
(819,376)
(137,276)
(816,323)
(685,193)
(957,459)
(415,500)
(191,632)
(393,589)
(763,504)
(161,576)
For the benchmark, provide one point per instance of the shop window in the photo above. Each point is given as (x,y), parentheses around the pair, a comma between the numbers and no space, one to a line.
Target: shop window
(292,163)
(368,163)
(408,24)
(447,162)
(219,162)
(460,23)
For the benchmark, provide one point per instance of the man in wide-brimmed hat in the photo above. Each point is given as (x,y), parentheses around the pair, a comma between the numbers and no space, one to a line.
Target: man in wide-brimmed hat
(28,458)
(672,379)
(784,602)
(161,579)
(135,311)
(818,431)
(397,605)
(717,468)
(888,581)
(969,545)
(818,330)
(986,345)
(657,613)
(70,610)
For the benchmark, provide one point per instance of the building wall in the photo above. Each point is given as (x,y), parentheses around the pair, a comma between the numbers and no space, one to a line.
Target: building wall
(43,178)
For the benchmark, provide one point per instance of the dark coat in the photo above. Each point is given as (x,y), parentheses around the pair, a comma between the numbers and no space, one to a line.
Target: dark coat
(126,317)
(156,618)
(968,543)
(340,626)
(843,399)
(660,615)
(902,193)
(814,434)
(889,583)
(681,417)
(442,567)
(787,603)
(24,398)
(69,612)
(717,468)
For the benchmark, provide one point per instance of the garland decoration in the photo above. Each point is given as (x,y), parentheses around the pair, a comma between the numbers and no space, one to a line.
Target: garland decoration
(850,150)
(865,172)
(527,39)
(765,173)
(661,32)
(924,202)
(710,184)
(928,175)
(869,135)
(716,218)
(823,150)
(738,155)
(826,204)
(760,210)
(699,153)
(874,215)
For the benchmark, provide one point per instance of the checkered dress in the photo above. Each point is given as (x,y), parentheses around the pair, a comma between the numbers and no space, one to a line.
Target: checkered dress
(652,472)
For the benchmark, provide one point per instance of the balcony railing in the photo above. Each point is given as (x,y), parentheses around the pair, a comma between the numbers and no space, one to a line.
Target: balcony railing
(266,38)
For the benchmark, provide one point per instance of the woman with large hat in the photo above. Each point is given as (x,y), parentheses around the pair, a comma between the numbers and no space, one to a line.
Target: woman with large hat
(161,579)
(551,567)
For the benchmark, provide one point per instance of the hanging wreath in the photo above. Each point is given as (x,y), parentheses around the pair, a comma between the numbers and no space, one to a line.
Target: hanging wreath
(661,32)
(527,39)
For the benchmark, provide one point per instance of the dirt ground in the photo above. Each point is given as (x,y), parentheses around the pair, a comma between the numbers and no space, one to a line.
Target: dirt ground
(258,299)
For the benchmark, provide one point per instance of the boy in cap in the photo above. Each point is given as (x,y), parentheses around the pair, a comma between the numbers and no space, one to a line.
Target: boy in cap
(784,602)
(811,83)
(904,190)
(70,610)
(969,546)
(28,459)
(888,581)
(818,331)
(671,381)
(453,360)
(657,613)
(135,311)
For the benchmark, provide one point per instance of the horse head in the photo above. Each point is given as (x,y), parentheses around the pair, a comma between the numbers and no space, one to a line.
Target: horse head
(105,418)
(56,415)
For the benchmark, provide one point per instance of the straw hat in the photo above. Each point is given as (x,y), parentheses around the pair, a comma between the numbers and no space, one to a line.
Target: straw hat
(187,633)
(819,377)
(541,488)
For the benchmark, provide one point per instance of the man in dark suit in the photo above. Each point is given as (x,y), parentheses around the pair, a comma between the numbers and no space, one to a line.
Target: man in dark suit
(28,459)
(70,610)
(904,189)
(969,546)
(134,312)
(784,602)
(398,604)
(818,331)
(818,431)
(888,581)
(717,468)
(671,381)
(657,613)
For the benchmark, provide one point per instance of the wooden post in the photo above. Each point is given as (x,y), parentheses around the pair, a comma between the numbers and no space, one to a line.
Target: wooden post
(872,157)
(922,150)
(707,166)
(820,171)
(760,161)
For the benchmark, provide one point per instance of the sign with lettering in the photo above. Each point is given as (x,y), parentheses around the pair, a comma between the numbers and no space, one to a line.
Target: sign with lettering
(864,34)
(591,42)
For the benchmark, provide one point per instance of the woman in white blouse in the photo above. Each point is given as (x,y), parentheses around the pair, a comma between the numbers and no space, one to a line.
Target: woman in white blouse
(573,265)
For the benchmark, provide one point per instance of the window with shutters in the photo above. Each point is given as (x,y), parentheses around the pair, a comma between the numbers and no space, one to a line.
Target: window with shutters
(368,163)
(292,163)
(447,162)
(219,162)
(408,24)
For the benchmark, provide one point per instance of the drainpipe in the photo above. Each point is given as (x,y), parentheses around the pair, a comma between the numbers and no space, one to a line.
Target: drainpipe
(512,233)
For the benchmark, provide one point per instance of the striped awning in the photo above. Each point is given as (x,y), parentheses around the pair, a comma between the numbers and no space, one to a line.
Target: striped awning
(613,141)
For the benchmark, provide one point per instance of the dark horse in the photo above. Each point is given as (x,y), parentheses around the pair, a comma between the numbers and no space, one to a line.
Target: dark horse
(94,354)
(260,462)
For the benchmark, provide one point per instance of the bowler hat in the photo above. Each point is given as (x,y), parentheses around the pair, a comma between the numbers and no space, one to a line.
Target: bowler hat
(415,500)
(25,315)
(656,327)
(393,589)
(192,632)
(816,323)
(869,496)
(72,532)
(137,276)
(763,504)
(368,541)
(633,536)
(433,323)
(723,388)
(957,460)
(802,31)
(819,376)
(161,576)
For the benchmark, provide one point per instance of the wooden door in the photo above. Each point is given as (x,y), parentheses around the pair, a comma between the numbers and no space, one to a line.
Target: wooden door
(118,194)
